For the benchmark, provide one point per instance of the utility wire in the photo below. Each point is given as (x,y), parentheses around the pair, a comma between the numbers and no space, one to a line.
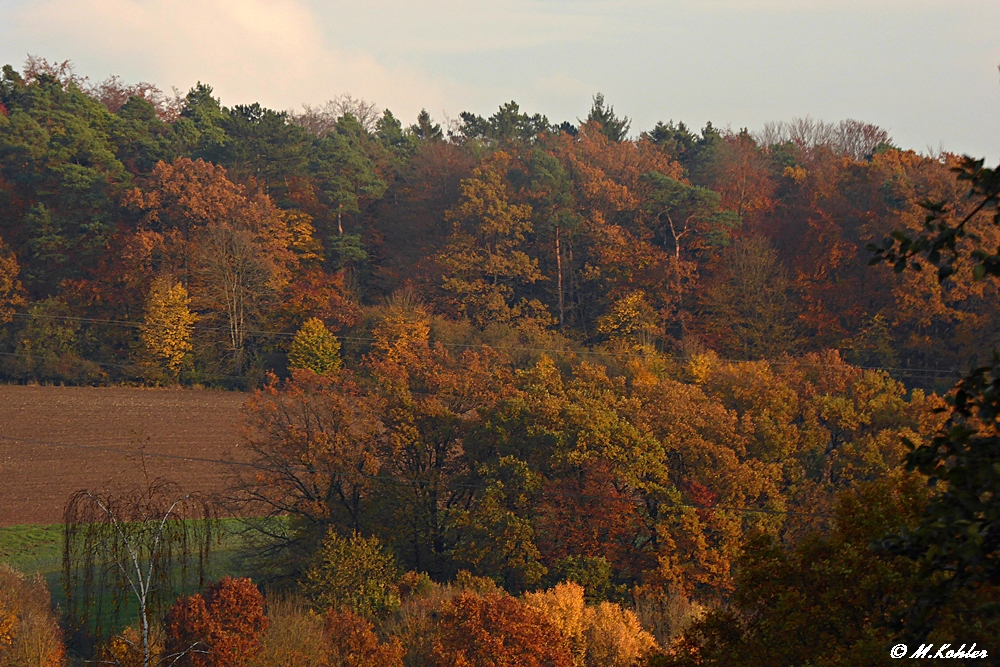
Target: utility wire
(898,371)
(395,479)
(19,355)
(246,378)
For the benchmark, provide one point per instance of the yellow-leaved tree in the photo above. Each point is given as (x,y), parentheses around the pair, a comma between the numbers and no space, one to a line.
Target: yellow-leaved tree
(605,635)
(564,606)
(168,326)
(314,348)
(631,323)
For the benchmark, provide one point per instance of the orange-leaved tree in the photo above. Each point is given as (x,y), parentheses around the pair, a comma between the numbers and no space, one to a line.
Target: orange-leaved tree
(605,635)
(222,627)
(313,439)
(431,401)
(497,630)
(232,247)
(313,293)
(11,292)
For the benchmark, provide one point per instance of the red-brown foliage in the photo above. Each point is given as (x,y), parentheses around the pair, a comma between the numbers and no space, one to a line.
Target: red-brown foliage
(353,643)
(315,293)
(497,630)
(587,515)
(220,628)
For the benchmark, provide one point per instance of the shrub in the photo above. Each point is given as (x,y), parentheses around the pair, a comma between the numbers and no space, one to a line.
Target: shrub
(667,614)
(352,643)
(29,632)
(415,584)
(496,631)
(415,622)
(47,347)
(222,628)
(353,573)
(125,649)
(299,637)
(294,637)
(466,581)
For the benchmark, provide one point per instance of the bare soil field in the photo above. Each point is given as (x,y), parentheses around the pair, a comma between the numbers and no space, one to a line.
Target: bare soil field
(57,440)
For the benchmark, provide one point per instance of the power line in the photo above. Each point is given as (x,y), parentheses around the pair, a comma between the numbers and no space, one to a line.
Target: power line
(19,355)
(127,452)
(396,479)
(139,325)
(906,371)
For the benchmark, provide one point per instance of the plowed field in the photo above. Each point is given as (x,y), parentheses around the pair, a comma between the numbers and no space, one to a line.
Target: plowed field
(57,440)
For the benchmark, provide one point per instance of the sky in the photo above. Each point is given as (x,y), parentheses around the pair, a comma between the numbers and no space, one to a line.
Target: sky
(926,70)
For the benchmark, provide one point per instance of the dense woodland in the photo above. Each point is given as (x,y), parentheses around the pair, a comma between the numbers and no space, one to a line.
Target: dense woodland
(528,393)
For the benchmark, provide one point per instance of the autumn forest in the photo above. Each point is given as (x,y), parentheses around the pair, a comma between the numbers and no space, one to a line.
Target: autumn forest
(519,391)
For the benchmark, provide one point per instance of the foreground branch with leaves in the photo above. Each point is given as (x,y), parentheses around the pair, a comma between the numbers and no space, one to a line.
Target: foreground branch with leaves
(958,542)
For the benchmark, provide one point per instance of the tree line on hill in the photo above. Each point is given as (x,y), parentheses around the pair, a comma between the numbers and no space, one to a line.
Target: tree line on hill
(527,393)
(164,240)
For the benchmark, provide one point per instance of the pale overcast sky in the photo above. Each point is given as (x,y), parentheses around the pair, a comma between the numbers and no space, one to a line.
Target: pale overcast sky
(924,69)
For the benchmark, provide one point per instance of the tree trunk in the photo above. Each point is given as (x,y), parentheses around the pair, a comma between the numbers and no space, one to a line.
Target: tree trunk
(559,271)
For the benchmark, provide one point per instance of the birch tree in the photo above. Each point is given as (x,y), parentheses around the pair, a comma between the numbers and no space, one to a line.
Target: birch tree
(132,548)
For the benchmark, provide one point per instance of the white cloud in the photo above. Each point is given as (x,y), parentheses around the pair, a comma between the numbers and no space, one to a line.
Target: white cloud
(271,51)
(926,68)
